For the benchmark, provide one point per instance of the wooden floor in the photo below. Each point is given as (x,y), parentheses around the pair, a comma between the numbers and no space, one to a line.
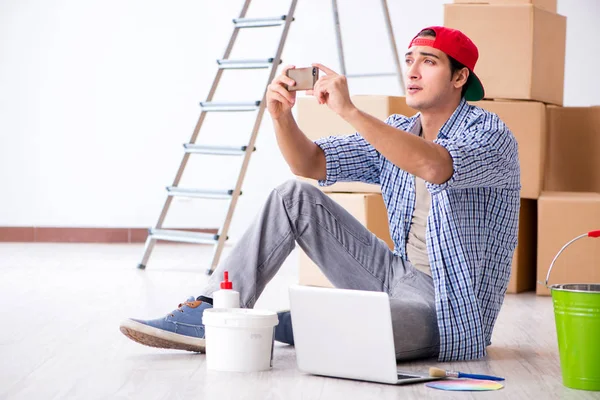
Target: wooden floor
(61,305)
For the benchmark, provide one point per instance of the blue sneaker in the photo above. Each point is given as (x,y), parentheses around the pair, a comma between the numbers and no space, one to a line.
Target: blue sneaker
(283,330)
(182,329)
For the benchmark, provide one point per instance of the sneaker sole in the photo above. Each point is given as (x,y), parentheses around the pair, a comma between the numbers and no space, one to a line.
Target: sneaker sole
(154,337)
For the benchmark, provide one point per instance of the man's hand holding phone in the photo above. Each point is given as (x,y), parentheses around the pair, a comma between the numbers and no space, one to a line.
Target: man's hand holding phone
(279,99)
(331,89)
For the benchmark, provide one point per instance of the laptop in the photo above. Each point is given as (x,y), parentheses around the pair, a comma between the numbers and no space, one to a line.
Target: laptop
(346,334)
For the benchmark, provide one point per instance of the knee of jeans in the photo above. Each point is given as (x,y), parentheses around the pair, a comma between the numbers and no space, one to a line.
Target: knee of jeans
(295,187)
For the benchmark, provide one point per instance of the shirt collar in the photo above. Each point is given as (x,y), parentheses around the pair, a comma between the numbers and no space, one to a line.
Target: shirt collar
(450,126)
(455,120)
(415,126)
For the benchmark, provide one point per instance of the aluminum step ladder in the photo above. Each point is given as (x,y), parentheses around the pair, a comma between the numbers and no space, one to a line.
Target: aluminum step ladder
(390,31)
(232,195)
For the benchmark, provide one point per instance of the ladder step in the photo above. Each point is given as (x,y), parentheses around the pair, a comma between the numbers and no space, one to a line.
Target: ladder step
(201,193)
(216,150)
(259,22)
(183,236)
(215,106)
(246,64)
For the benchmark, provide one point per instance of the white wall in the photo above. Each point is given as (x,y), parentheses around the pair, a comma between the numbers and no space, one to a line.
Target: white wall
(96,98)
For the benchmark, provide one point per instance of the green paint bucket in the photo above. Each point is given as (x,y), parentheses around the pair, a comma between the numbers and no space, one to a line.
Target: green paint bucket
(577,316)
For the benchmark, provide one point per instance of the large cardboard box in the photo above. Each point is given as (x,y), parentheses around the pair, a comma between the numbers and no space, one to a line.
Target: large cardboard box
(527,121)
(522,277)
(562,217)
(317,121)
(370,210)
(573,163)
(548,5)
(521,49)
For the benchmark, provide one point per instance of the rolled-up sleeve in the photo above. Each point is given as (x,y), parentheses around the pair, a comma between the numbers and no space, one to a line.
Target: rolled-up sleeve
(349,158)
(485,158)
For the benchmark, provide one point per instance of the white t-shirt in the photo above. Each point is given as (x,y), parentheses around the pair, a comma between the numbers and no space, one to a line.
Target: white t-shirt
(416,246)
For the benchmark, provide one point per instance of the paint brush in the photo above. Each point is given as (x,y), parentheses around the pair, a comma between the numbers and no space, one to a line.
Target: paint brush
(440,373)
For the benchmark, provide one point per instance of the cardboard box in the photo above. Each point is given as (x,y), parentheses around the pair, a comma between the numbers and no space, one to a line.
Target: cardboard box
(573,160)
(370,210)
(561,218)
(548,5)
(309,273)
(527,121)
(317,121)
(523,270)
(521,49)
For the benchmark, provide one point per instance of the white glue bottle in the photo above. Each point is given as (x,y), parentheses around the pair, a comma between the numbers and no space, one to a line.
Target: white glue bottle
(226,297)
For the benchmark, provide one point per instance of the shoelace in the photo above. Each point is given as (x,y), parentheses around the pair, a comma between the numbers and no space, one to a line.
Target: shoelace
(179,307)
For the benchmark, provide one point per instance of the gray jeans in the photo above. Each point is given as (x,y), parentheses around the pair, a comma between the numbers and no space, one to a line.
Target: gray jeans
(349,255)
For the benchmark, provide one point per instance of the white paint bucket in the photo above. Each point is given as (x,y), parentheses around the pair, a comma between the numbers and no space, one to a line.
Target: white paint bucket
(239,339)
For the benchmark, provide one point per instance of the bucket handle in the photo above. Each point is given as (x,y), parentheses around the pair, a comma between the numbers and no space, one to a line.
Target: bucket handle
(592,234)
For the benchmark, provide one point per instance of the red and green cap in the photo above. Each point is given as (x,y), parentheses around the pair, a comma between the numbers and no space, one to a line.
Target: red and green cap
(458,46)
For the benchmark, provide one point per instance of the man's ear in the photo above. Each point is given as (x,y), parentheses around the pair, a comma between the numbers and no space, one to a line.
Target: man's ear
(461,77)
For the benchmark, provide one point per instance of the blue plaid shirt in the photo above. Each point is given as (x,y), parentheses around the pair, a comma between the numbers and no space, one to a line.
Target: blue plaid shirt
(473,222)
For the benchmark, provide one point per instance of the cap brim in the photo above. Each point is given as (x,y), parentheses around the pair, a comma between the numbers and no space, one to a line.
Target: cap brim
(475,90)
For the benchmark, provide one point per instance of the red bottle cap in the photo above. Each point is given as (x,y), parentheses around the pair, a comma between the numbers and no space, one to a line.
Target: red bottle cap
(226,284)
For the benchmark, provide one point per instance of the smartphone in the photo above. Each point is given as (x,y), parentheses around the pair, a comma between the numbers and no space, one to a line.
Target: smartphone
(305,78)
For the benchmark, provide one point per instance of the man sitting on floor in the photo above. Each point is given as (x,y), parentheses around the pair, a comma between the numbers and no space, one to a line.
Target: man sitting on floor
(449,177)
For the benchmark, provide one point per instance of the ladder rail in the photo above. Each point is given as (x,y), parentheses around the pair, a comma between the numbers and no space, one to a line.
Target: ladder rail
(218,250)
(200,122)
(338,37)
(150,241)
(390,32)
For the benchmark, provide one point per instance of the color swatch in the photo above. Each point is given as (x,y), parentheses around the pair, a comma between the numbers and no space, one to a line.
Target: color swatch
(465,385)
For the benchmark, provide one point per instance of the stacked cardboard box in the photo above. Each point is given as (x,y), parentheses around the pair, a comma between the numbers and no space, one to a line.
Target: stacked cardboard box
(570,204)
(521,64)
(521,46)
(522,50)
(522,55)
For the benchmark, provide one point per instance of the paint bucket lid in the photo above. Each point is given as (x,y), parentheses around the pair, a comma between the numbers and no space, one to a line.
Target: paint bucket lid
(239,318)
